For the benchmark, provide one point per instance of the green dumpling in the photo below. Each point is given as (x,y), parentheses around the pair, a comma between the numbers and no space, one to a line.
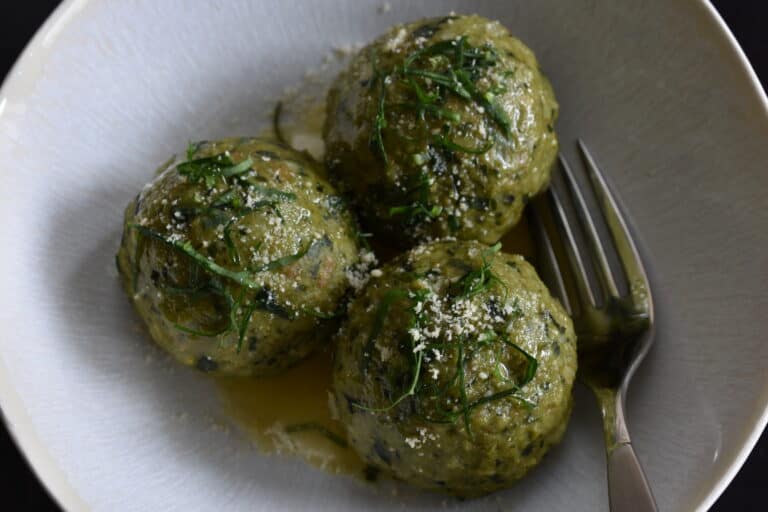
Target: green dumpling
(455,368)
(441,127)
(238,259)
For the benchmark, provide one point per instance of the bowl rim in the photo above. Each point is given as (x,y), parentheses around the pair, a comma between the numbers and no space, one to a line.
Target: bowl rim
(12,410)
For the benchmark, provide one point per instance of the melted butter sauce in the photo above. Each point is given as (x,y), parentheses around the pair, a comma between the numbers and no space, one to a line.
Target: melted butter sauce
(290,413)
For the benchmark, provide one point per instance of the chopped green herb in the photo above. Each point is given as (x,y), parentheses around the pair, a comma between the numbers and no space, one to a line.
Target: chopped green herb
(192,148)
(453,146)
(243,325)
(416,318)
(532,363)
(487,100)
(284,261)
(389,298)
(280,195)
(226,199)
(465,410)
(416,209)
(480,279)
(432,74)
(447,80)
(240,168)
(420,208)
(450,400)
(205,169)
(240,277)
(234,256)
(210,168)
(380,121)
(511,392)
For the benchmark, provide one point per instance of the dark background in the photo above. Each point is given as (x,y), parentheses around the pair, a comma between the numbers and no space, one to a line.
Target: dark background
(746,18)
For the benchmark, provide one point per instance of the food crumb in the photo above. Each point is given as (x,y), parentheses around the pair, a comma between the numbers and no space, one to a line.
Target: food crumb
(413,442)
(394,43)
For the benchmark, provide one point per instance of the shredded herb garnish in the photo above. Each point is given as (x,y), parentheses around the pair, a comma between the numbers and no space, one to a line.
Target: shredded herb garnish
(243,324)
(234,256)
(454,146)
(417,318)
(240,168)
(380,121)
(413,210)
(480,279)
(451,415)
(211,168)
(389,298)
(192,148)
(420,209)
(263,298)
(463,390)
(532,364)
(450,400)
(240,277)
(280,195)
(451,66)
(240,198)
(432,74)
(284,260)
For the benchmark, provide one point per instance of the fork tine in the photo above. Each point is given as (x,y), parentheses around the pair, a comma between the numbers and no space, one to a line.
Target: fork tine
(550,270)
(571,249)
(625,246)
(604,273)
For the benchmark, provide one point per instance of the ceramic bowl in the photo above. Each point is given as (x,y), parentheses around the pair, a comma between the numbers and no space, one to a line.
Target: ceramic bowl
(108,90)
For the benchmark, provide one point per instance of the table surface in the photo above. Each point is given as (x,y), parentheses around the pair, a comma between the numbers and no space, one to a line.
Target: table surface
(746,19)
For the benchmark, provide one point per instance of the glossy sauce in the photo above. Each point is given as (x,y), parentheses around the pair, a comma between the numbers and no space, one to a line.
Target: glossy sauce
(286,414)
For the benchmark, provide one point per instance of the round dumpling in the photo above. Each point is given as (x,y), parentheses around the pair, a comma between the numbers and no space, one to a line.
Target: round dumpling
(237,258)
(455,369)
(442,127)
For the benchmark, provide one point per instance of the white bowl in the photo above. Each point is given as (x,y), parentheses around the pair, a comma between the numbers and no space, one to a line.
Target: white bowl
(107,90)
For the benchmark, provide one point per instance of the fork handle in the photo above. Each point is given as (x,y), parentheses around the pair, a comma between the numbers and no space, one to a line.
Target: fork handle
(628,488)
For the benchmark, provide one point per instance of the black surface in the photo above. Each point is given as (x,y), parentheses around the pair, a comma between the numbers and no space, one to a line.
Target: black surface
(747,21)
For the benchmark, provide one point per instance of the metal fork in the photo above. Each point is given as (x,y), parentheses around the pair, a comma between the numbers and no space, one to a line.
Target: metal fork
(614,333)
